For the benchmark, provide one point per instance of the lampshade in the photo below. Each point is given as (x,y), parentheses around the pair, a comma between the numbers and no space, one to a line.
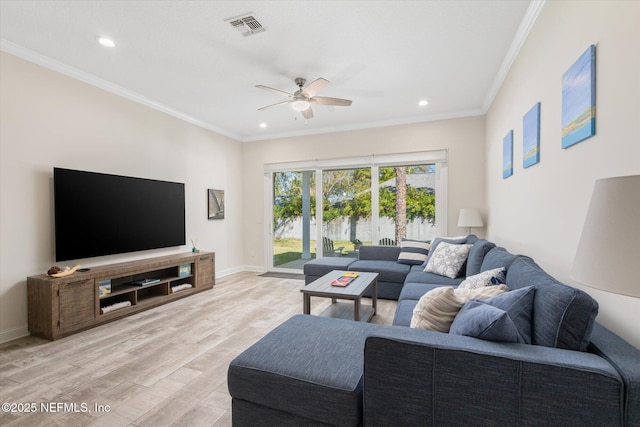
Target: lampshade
(470,217)
(609,248)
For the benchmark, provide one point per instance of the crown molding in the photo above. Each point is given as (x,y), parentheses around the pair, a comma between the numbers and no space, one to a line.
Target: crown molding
(31,56)
(528,20)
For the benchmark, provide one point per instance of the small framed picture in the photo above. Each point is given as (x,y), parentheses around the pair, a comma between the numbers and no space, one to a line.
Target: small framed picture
(531,137)
(507,155)
(215,202)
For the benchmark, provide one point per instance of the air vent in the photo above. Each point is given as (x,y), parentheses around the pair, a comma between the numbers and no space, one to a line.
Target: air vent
(246,24)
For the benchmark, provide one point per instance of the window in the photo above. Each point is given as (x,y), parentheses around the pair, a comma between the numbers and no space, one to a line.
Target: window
(331,207)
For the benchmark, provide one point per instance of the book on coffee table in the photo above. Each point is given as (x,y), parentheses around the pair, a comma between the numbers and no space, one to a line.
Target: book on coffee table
(345,279)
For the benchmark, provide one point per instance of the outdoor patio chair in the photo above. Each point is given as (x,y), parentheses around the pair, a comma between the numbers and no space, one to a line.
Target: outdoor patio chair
(328,249)
(387,242)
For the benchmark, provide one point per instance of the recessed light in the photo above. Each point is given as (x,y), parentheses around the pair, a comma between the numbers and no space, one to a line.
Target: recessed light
(263,125)
(105,41)
(423,102)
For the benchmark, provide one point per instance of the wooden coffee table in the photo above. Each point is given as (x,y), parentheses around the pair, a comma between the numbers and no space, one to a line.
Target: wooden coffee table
(353,291)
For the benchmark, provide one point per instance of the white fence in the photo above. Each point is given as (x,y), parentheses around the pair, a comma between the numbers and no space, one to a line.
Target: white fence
(340,229)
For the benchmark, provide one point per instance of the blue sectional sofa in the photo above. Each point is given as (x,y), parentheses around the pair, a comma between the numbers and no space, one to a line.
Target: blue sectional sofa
(315,371)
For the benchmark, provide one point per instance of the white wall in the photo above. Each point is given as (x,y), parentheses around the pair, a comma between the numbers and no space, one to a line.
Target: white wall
(464,138)
(540,210)
(47,120)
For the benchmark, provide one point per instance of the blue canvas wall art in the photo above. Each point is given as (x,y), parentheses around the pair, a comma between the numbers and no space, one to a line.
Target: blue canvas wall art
(531,136)
(579,99)
(507,155)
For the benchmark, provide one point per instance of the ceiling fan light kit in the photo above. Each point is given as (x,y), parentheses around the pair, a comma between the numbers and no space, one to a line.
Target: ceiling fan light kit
(302,99)
(300,105)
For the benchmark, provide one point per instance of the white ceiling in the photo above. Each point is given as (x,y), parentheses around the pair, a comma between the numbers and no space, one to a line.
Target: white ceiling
(183,58)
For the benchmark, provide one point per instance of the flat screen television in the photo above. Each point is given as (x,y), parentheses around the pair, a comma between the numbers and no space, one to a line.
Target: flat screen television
(99,214)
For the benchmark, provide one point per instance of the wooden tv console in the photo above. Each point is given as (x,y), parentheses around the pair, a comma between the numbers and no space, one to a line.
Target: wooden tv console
(63,306)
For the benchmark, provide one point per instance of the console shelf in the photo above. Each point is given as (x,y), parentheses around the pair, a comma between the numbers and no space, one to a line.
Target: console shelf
(63,306)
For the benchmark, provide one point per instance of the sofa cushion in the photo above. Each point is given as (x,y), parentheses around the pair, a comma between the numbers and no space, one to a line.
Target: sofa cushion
(378,253)
(447,259)
(415,291)
(437,308)
(496,258)
(563,316)
(506,317)
(404,312)
(413,252)
(496,276)
(321,266)
(417,275)
(388,271)
(476,255)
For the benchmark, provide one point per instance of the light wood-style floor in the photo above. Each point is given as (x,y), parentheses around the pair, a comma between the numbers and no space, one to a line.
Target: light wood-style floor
(163,367)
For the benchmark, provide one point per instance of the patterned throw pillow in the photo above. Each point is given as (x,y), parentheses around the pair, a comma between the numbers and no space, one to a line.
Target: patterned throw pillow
(447,259)
(435,242)
(413,252)
(437,309)
(496,276)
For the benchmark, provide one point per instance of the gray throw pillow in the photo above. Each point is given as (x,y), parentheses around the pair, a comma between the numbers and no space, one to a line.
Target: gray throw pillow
(497,318)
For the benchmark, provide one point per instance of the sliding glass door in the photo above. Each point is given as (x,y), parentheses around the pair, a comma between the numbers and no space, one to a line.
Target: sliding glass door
(346,211)
(330,208)
(293,214)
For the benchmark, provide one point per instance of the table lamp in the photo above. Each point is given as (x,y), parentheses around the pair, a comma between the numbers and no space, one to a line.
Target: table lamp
(469,217)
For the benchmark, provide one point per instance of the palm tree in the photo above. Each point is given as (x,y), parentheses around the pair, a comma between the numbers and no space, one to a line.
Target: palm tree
(401,203)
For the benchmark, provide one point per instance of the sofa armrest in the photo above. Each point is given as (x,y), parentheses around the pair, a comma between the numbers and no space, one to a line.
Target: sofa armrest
(378,253)
(441,379)
(626,359)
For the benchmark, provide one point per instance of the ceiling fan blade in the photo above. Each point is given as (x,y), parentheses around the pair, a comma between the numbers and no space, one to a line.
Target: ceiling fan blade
(315,87)
(287,94)
(323,100)
(308,113)
(273,105)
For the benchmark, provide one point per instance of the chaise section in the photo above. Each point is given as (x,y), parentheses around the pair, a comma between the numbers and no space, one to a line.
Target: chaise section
(317,268)
(309,369)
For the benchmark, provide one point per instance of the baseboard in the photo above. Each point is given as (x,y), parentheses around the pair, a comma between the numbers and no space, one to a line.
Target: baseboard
(239,269)
(12,334)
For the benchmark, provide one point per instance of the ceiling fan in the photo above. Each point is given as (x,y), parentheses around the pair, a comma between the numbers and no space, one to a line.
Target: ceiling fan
(302,99)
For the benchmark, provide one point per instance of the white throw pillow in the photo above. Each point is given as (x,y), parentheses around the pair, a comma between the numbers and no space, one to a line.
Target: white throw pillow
(496,276)
(448,259)
(437,309)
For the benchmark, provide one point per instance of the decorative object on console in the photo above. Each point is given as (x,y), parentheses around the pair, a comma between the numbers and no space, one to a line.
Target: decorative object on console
(531,137)
(579,99)
(470,217)
(62,272)
(507,155)
(607,254)
(215,202)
